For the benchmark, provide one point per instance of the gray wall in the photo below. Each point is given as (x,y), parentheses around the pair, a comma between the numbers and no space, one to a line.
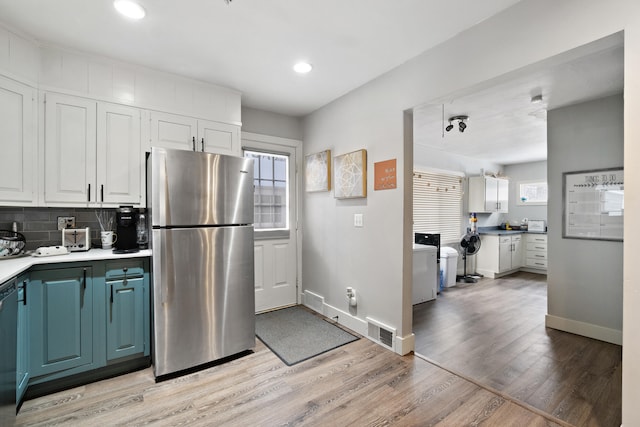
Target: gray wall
(532,171)
(272,124)
(584,276)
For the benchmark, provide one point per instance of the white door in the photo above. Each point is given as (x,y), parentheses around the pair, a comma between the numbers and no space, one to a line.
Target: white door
(503,195)
(505,254)
(490,194)
(173,131)
(17,143)
(275,202)
(219,138)
(118,154)
(69,150)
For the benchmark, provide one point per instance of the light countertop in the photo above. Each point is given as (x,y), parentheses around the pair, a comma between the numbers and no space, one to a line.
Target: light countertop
(10,268)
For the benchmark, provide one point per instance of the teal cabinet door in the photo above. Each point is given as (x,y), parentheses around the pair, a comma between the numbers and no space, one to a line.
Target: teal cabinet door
(61,319)
(22,361)
(125,317)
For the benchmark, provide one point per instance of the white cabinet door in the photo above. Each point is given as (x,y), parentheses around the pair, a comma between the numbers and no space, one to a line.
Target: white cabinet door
(517,251)
(17,144)
(173,131)
(505,254)
(502,195)
(490,194)
(118,163)
(219,138)
(69,150)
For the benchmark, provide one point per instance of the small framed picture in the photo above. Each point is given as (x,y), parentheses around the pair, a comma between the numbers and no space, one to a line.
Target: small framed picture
(317,171)
(350,175)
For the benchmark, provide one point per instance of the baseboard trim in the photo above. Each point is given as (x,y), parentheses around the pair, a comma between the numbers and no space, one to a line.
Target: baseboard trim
(405,345)
(601,333)
(401,345)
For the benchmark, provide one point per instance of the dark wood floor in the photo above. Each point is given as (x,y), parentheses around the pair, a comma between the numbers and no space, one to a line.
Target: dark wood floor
(359,384)
(493,332)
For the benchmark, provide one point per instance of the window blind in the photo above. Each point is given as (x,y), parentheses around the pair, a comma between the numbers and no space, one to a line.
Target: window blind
(437,204)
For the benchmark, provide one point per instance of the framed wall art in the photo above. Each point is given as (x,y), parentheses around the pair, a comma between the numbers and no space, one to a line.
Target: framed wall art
(350,175)
(317,171)
(593,204)
(384,175)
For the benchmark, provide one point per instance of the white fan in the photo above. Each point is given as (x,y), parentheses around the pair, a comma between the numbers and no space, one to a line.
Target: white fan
(469,245)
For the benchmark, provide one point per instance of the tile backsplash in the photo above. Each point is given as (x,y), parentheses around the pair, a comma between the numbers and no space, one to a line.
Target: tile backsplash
(40,225)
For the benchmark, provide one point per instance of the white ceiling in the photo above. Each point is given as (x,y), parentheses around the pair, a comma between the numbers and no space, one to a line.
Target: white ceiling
(251,45)
(504,126)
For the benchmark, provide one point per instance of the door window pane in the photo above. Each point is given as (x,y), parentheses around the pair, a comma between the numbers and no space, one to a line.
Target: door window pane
(271,190)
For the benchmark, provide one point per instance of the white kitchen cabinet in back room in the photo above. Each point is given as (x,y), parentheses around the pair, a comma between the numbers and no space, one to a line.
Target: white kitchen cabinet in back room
(488,194)
(188,133)
(18,130)
(92,154)
(499,254)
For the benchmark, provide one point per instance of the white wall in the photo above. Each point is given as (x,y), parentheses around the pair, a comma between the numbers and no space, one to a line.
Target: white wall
(584,276)
(532,171)
(371,117)
(273,124)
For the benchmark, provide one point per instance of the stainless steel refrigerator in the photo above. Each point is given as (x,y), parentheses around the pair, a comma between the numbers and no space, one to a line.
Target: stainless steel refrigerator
(201,208)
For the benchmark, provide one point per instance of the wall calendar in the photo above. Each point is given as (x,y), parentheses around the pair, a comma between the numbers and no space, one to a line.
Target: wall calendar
(593,204)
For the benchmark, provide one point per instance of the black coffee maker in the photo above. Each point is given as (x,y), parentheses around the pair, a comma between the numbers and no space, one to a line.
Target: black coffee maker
(126,240)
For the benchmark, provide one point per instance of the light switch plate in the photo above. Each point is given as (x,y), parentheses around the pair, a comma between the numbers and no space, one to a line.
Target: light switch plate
(358,220)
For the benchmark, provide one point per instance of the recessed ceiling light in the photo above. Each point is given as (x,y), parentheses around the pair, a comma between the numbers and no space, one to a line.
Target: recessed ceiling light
(129,8)
(302,67)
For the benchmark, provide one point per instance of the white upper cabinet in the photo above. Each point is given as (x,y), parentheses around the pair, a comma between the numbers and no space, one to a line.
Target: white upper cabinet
(118,161)
(188,133)
(221,138)
(69,150)
(488,194)
(91,153)
(173,131)
(17,144)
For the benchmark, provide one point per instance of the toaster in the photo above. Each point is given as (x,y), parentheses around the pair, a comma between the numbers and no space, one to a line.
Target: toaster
(76,239)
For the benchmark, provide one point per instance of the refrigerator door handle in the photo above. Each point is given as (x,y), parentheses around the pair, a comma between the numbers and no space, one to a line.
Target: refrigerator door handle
(158,271)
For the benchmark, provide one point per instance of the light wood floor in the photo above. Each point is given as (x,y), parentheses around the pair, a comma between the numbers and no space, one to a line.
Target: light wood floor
(494,333)
(359,384)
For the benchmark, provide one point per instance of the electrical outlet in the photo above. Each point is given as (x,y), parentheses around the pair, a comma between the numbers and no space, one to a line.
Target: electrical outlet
(66,222)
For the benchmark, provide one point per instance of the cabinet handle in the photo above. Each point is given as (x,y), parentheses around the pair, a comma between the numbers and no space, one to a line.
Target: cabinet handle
(111,298)
(194,143)
(88,192)
(124,282)
(24,292)
(102,192)
(202,145)
(84,278)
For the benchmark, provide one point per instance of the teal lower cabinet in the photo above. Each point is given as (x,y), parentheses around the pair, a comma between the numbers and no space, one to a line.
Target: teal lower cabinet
(61,320)
(126,298)
(22,360)
(82,322)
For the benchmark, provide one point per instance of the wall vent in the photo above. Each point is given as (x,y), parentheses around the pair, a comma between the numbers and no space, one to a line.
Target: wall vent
(380,332)
(314,301)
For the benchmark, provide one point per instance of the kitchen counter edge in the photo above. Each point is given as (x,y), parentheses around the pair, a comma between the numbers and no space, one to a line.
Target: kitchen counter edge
(9,268)
(509,232)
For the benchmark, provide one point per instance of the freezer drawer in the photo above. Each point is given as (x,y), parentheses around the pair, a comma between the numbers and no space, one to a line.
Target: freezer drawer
(204,302)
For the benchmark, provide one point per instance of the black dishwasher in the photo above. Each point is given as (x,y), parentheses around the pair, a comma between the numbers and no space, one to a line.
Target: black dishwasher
(8,346)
